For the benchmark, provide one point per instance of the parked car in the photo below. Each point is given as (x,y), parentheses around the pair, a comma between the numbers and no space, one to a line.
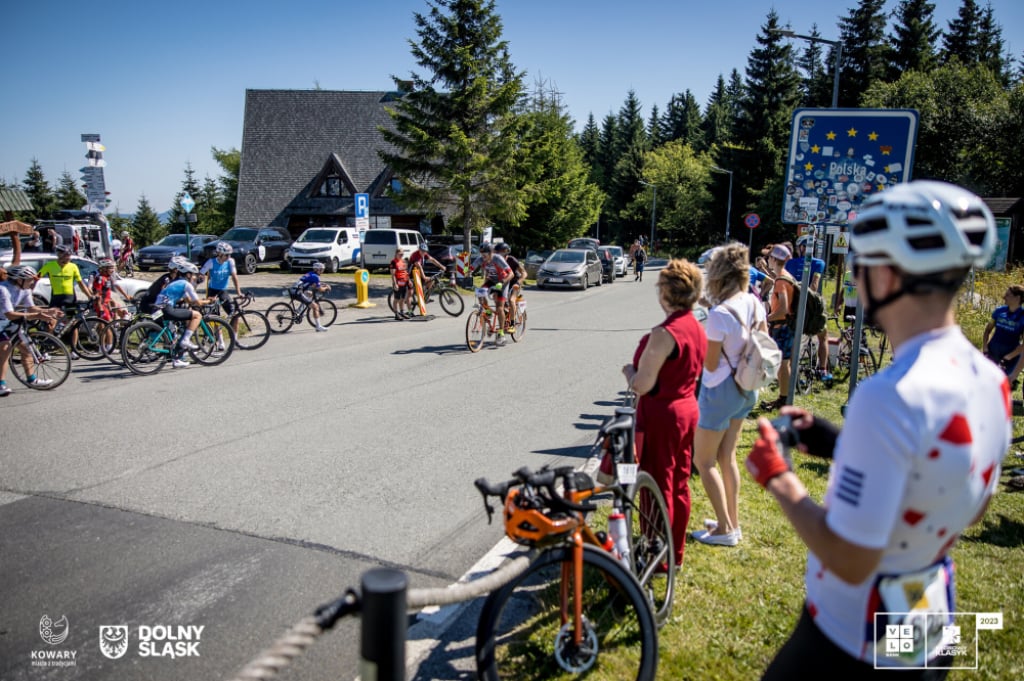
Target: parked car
(333,246)
(379,246)
(584,242)
(159,254)
(447,253)
(608,269)
(88,268)
(620,259)
(533,261)
(571,267)
(253,246)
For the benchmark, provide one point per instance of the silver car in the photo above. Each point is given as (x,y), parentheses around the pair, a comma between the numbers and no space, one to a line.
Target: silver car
(620,259)
(571,267)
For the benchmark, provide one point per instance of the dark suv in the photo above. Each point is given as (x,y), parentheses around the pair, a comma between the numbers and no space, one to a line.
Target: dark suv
(253,246)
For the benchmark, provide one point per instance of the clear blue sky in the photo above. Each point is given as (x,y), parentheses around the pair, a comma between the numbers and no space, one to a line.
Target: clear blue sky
(163,82)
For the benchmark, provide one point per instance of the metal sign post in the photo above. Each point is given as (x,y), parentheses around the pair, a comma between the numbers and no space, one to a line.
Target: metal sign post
(187,204)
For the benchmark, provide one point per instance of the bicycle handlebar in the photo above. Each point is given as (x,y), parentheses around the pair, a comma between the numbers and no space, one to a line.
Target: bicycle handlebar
(542,480)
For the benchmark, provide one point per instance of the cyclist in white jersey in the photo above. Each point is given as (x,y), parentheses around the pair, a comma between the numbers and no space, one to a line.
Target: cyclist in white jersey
(917,460)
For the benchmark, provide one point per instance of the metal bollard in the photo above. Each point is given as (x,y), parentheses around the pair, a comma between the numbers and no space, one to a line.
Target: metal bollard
(383,613)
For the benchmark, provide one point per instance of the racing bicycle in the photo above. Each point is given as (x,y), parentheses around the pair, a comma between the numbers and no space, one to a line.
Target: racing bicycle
(283,315)
(252,328)
(41,353)
(576,609)
(147,344)
(483,322)
(435,285)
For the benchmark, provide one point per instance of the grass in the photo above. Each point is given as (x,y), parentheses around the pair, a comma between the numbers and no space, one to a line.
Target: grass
(735,607)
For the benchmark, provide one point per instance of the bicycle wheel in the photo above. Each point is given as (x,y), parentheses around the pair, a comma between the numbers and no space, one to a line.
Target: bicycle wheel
(145,347)
(92,334)
(651,549)
(519,330)
(112,344)
(50,363)
(215,340)
(391,300)
(476,331)
(521,633)
(253,330)
(328,313)
(451,302)
(281,317)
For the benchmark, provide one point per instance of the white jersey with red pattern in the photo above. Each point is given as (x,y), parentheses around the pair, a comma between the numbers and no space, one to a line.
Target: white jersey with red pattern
(497,269)
(916,461)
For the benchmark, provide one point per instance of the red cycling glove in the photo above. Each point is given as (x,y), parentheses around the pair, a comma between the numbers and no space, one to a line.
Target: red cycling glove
(764,461)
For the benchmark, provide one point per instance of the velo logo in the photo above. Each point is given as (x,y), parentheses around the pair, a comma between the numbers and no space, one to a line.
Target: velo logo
(114,640)
(53,632)
(899,639)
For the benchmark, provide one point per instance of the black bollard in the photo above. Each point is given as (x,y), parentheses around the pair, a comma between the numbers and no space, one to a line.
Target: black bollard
(382,644)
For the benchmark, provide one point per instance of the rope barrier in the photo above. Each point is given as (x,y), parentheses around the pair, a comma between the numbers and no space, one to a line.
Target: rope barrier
(294,643)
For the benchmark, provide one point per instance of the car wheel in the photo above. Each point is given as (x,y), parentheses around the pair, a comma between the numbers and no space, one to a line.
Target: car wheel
(286,266)
(143,268)
(585,284)
(249,265)
(332,266)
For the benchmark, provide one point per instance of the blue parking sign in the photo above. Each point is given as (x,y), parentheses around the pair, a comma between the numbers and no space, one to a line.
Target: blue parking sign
(362,203)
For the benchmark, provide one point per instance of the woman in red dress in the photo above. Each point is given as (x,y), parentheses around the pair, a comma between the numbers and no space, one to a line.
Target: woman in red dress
(664,373)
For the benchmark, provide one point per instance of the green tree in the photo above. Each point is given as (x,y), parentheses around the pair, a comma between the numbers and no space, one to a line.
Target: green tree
(456,130)
(960,40)
(590,145)
(609,150)
(683,121)
(562,201)
(230,161)
(209,209)
(654,128)
(817,81)
(177,218)
(914,38)
(991,47)
(682,177)
(39,192)
(629,164)
(718,118)
(865,50)
(68,196)
(146,228)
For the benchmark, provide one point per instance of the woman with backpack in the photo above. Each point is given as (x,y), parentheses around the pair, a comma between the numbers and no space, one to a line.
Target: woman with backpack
(722,402)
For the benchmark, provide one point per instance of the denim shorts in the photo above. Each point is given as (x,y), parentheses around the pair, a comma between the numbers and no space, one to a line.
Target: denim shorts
(783,337)
(722,403)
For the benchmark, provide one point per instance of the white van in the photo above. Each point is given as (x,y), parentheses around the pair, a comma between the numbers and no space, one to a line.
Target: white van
(333,246)
(379,245)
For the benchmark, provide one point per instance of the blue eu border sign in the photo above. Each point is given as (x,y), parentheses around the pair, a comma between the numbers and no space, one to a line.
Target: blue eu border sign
(839,157)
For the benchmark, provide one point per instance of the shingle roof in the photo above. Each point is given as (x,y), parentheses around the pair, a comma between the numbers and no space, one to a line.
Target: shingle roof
(13,200)
(1003,205)
(290,135)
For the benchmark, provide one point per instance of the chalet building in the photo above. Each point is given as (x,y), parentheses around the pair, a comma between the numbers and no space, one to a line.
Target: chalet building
(307,153)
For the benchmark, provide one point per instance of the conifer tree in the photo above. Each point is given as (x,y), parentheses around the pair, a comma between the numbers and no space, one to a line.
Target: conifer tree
(590,145)
(914,38)
(865,51)
(146,228)
(455,132)
(629,164)
(68,196)
(654,128)
(960,40)
(39,192)
(190,185)
(991,46)
(230,160)
(718,121)
(683,121)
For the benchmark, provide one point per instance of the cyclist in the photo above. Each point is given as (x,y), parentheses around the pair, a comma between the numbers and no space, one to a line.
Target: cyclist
(103,285)
(497,275)
(148,303)
(400,284)
(176,291)
(1001,339)
(518,275)
(305,289)
(16,305)
(127,248)
(795,266)
(416,260)
(221,270)
(918,457)
(64,275)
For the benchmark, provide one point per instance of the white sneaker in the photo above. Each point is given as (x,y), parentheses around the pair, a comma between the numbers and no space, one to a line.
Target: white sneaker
(40,382)
(4,391)
(180,363)
(188,345)
(321,328)
(220,346)
(712,524)
(500,340)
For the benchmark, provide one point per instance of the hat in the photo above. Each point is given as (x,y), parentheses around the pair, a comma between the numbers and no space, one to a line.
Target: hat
(781,252)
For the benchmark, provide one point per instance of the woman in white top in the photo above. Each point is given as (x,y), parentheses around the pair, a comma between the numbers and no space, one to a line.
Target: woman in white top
(723,404)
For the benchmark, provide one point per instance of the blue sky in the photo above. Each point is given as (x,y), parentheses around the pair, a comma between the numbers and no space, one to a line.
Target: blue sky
(162,83)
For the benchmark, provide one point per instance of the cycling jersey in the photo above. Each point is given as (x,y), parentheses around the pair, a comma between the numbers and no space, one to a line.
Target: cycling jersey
(10,296)
(62,279)
(307,281)
(1008,329)
(400,271)
(497,269)
(916,461)
(102,286)
(220,273)
(175,291)
(795,266)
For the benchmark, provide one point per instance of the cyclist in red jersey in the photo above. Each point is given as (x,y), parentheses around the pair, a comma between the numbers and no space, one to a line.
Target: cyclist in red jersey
(416,261)
(497,275)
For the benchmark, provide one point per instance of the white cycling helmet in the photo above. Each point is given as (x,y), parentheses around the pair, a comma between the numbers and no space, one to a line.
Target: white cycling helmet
(185,267)
(22,272)
(224,248)
(924,227)
(318,267)
(175,261)
(804,240)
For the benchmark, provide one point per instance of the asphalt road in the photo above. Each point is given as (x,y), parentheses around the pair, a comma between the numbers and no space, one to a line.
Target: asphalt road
(238,498)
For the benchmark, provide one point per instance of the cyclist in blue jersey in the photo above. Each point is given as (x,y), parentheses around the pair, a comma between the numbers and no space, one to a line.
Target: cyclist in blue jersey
(304,289)
(221,271)
(181,289)
(916,462)
(1001,339)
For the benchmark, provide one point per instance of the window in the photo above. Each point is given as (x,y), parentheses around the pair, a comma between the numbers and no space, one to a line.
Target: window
(332,187)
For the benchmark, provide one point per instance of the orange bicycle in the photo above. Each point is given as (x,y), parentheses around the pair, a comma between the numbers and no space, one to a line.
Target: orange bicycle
(575,608)
(483,321)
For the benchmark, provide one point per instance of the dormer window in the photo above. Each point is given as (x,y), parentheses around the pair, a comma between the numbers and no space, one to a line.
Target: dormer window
(331,186)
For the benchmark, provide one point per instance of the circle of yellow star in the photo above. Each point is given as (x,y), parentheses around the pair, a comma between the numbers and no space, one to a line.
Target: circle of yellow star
(830,135)
(852,132)
(815,149)
(872,136)
(808,166)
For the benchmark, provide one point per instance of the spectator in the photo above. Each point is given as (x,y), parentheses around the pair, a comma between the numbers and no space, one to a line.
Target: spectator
(917,460)
(639,258)
(400,284)
(778,318)
(664,373)
(795,267)
(1002,336)
(723,404)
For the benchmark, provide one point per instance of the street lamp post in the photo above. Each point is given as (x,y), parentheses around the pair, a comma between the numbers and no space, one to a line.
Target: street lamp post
(654,208)
(728,207)
(837,44)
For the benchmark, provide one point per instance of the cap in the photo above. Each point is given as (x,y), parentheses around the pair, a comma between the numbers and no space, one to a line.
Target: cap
(781,252)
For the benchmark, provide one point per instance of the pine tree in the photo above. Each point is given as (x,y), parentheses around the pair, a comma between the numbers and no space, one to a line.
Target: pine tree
(456,130)
(961,39)
(209,215)
(683,121)
(146,228)
(718,121)
(190,185)
(914,38)
(39,192)
(68,196)
(865,51)
(817,81)
(590,145)
(654,127)
(608,151)
(991,46)
(629,164)
(230,160)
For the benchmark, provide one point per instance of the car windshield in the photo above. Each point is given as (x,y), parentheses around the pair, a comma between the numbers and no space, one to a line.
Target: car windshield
(535,256)
(239,234)
(319,236)
(172,240)
(616,251)
(567,256)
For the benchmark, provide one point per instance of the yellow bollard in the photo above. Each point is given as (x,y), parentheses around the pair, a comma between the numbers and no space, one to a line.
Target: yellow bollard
(362,290)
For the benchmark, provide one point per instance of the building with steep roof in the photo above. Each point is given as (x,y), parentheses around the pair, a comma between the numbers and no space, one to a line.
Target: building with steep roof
(306,153)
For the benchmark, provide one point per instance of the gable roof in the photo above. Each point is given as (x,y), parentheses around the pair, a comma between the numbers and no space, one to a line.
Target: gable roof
(1003,205)
(290,137)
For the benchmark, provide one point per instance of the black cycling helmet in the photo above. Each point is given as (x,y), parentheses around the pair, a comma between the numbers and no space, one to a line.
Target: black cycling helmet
(63,250)
(486,248)
(502,247)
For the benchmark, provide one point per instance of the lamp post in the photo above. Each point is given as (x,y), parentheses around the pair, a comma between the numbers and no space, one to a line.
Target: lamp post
(728,207)
(837,44)
(654,208)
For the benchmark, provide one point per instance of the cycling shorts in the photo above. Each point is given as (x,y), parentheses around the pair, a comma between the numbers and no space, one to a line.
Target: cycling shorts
(223,297)
(62,300)
(498,295)
(402,291)
(179,314)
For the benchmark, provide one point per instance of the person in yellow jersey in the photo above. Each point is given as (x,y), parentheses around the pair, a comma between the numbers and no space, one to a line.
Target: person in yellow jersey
(64,275)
